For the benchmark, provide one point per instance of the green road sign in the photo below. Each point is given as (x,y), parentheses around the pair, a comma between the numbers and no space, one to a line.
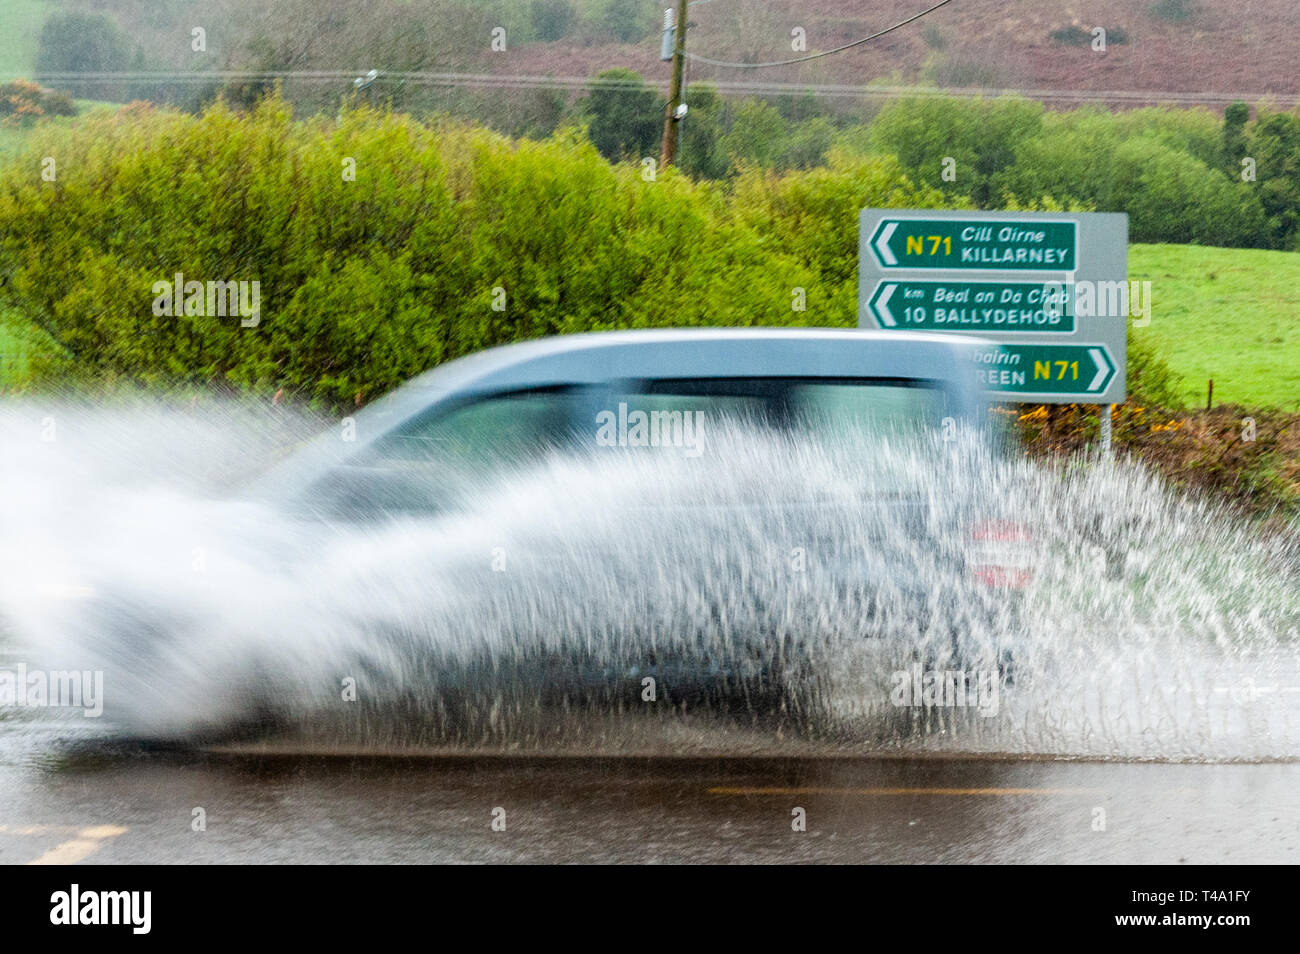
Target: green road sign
(976,307)
(1029,245)
(1082,370)
(996,276)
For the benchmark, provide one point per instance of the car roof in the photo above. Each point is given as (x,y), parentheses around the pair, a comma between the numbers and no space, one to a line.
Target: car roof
(609,356)
(702,353)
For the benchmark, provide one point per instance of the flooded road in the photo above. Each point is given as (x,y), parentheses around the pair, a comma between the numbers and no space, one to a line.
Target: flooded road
(124,805)
(626,659)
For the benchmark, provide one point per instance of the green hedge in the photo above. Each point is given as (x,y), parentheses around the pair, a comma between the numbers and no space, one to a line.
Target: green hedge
(1164,167)
(365,283)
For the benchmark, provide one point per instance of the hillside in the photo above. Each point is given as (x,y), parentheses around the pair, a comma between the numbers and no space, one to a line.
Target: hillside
(1223,50)
(1227,48)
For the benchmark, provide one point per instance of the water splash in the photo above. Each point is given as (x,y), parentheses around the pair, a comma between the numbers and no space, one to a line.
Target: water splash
(773,590)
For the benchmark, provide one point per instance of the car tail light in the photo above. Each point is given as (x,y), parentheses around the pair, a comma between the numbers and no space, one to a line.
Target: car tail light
(1000,553)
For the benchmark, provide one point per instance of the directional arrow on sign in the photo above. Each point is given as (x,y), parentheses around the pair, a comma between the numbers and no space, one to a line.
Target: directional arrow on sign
(1104,369)
(880,304)
(881,244)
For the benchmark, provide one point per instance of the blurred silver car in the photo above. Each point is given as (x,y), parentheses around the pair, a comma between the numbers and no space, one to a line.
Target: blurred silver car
(436,443)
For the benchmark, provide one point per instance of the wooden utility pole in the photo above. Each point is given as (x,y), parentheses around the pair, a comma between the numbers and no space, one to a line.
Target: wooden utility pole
(668,151)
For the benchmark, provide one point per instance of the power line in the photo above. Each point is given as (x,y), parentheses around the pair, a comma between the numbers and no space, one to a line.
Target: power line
(733,87)
(813,56)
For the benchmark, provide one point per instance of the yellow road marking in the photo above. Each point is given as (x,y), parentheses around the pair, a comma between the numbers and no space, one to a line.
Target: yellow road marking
(79,848)
(724,790)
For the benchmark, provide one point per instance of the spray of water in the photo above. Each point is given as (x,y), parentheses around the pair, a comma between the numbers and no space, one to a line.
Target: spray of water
(771,594)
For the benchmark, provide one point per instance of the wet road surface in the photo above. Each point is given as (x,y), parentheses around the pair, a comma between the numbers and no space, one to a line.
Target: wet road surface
(119,804)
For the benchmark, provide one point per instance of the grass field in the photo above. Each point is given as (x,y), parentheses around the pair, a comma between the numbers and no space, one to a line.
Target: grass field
(1228,314)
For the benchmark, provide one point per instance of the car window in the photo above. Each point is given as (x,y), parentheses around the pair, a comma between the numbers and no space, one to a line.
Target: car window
(486,433)
(436,460)
(824,407)
(837,410)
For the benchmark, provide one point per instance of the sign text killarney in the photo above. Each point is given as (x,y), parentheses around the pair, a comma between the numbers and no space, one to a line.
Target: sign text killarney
(966,244)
